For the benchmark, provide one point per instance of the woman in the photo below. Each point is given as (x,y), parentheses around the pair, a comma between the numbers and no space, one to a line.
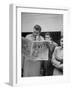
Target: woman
(57,59)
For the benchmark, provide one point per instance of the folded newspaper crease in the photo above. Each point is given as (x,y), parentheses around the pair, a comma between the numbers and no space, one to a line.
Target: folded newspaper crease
(35,50)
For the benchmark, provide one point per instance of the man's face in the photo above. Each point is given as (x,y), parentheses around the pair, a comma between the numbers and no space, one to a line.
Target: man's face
(47,37)
(35,32)
(61,42)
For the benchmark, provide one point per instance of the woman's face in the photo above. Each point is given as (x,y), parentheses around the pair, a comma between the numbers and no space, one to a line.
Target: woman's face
(61,42)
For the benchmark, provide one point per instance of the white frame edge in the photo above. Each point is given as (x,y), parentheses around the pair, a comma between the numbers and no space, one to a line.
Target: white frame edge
(13,41)
(12,45)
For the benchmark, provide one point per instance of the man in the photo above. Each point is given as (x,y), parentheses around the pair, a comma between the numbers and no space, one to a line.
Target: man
(48,67)
(31,67)
(49,39)
(35,36)
(51,43)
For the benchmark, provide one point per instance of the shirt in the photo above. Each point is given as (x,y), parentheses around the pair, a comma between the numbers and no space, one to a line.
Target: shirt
(32,38)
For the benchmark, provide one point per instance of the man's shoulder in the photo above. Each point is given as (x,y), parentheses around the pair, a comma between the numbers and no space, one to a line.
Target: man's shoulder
(57,48)
(28,36)
(55,44)
(41,37)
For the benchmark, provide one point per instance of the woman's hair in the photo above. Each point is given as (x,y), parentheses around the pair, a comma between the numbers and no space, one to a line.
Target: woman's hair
(37,27)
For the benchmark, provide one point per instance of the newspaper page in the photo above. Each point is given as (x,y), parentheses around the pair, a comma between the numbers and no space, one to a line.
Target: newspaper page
(35,50)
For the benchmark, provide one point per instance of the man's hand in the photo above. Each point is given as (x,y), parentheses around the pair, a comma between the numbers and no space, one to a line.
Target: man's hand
(61,66)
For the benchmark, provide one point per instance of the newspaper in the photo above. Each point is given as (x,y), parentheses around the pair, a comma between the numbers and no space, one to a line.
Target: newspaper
(35,50)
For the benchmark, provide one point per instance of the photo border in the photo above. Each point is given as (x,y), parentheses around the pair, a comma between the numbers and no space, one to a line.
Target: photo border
(14,75)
